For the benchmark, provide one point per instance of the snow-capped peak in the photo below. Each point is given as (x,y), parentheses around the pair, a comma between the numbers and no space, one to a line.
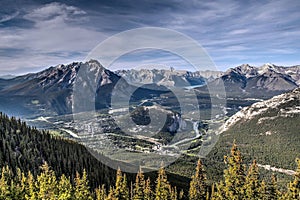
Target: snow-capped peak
(269,67)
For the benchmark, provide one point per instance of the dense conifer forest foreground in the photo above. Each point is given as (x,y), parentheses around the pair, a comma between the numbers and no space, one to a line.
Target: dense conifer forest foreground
(37,165)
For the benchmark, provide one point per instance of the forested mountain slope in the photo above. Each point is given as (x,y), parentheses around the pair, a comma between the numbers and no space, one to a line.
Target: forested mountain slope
(28,148)
(267,131)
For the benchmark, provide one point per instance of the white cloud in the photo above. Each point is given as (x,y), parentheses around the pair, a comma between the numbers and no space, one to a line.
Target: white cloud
(231,31)
(55,10)
(54,38)
(238,31)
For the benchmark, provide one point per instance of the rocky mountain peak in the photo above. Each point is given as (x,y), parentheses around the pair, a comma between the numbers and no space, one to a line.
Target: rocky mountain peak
(246,70)
(165,77)
(63,76)
(268,67)
(260,82)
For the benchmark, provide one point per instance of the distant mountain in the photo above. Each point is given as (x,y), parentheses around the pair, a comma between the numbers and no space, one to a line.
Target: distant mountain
(267,131)
(246,81)
(8,76)
(173,78)
(50,92)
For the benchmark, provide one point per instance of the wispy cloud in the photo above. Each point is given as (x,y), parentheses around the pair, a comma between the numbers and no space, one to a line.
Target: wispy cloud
(55,11)
(56,37)
(6,18)
(233,32)
(238,31)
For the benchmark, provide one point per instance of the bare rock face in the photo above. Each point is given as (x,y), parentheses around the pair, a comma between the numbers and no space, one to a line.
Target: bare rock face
(52,89)
(284,105)
(263,82)
(170,78)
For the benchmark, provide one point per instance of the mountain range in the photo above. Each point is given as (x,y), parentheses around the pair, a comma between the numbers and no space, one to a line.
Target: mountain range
(263,82)
(50,92)
(266,130)
(170,78)
(181,78)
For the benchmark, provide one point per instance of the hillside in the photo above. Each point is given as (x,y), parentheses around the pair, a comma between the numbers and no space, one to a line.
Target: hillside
(27,148)
(267,131)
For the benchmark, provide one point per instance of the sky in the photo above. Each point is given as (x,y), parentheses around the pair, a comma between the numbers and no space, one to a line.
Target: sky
(37,34)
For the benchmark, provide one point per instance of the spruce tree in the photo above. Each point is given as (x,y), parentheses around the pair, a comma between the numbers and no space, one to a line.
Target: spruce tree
(121,190)
(118,185)
(82,190)
(18,187)
(198,185)
(252,183)
(111,194)
(234,177)
(139,186)
(31,189)
(272,189)
(181,194)
(173,191)
(162,190)
(4,185)
(148,193)
(101,193)
(263,191)
(294,187)
(46,184)
(65,188)
(124,189)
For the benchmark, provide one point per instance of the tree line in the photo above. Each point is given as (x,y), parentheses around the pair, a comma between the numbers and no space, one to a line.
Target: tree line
(26,154)
(238,184)
(27,148)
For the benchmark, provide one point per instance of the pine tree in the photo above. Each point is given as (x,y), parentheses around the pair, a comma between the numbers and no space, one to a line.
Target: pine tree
(81,187)
(181,194)
(31,189)
(198,186)
(148,193)
(162,191)
(111,194)
(65,188)
(173,192)
(272,189)
(119,183)
(18,187)
(263,191)
(139,186)
(4,185)
(101,193)
(234,175)
(252,183)
(269,191)
(294,187)
(121,190)
(124,189)
(46,184)
(220,193)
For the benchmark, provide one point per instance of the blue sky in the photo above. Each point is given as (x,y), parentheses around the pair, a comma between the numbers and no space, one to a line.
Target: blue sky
(37,34)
